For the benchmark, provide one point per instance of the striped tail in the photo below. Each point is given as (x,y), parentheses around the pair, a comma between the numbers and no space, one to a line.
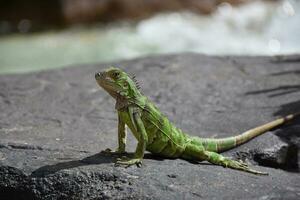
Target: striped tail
(223,144)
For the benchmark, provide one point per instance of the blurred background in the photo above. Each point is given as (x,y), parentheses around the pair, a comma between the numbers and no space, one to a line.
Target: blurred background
(37,35)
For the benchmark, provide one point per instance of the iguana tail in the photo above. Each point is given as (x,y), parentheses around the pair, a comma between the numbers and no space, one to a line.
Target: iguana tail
(223,144)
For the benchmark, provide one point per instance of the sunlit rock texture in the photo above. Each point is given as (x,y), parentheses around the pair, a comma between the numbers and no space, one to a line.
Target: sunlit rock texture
(53,124)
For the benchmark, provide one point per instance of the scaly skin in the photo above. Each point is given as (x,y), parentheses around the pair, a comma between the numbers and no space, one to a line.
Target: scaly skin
(156,134)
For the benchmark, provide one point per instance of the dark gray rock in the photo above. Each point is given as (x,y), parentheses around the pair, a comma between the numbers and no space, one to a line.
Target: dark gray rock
(53,124)
(269,151)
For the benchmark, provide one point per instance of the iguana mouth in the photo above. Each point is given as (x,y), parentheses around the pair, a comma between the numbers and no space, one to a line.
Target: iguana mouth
(106,83)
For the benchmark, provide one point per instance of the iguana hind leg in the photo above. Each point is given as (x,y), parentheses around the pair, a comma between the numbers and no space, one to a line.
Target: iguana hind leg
(218,159)
(197,152)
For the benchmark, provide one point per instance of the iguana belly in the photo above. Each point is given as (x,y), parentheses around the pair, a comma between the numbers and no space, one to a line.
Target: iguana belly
(164,138)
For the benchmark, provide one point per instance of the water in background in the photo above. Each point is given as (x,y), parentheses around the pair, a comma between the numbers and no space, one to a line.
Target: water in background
(258,28)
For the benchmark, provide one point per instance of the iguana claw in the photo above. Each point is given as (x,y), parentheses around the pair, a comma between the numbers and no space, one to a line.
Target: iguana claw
(129,161)
(241,166)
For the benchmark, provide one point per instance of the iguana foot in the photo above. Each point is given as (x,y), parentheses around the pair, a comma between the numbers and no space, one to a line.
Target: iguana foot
(240,166)
(129,161)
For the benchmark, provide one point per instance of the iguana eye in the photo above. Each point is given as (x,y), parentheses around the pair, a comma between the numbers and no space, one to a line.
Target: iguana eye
(116,74)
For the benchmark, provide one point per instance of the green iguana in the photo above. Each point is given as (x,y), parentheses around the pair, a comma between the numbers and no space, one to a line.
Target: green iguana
(156,134)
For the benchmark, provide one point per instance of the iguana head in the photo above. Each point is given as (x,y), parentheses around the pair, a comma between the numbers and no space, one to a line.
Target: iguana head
(118,83)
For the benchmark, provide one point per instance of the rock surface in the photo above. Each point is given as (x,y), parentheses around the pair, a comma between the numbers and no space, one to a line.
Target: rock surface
(270,150)
(53,124)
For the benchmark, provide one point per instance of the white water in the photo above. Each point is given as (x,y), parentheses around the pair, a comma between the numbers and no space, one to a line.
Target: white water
(258,28)
(254,29)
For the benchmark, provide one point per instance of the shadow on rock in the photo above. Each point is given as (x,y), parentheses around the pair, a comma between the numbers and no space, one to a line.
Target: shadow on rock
(13,182)
(288,72)
(284,109)
(288,133)
(286,59)
(278,91)
(99,158)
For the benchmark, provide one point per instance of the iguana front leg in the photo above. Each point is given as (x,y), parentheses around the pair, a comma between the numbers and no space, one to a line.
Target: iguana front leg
(141,146)
(122,134)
